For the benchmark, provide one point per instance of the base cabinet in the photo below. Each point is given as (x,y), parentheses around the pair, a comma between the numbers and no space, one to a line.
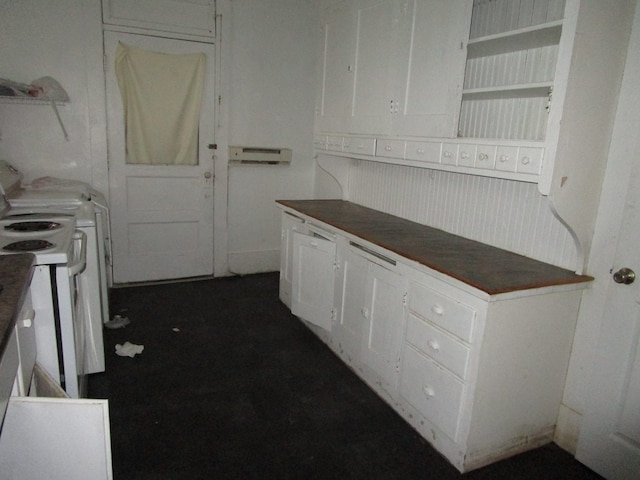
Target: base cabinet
(479,376)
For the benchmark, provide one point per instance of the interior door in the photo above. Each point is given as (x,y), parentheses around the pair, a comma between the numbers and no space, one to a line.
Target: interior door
(161,215)
(609,441)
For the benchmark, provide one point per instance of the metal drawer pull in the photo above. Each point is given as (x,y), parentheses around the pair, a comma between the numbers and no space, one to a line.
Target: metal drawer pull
(371,252)
(438,310)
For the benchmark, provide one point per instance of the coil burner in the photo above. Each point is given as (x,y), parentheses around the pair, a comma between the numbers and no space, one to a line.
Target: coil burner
(40,226)
(28,246)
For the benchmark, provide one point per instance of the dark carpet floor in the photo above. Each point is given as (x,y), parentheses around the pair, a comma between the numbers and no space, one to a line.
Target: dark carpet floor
(231,386)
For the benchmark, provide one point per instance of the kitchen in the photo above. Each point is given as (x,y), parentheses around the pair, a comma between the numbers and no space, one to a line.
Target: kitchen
(64,39)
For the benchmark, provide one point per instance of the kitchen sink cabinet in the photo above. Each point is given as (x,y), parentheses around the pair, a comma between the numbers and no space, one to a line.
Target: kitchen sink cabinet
(478,374)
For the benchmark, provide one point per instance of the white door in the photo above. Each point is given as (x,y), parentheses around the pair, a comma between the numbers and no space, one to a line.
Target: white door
(609,440)
(161,215)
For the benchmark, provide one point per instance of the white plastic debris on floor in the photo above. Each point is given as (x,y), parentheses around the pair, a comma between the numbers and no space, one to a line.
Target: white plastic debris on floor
(129,349)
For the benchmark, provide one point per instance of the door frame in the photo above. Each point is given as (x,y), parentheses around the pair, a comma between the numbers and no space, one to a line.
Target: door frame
(221,131)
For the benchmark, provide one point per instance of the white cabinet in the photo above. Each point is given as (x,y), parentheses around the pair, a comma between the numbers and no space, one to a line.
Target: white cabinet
(370,322)
(392,67)
(479,375)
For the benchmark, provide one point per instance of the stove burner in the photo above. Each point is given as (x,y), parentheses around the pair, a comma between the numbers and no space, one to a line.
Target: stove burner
(28,246)
(32,226)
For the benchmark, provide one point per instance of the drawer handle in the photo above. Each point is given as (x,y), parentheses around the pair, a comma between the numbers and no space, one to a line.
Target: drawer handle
(388,148)
(526,160)
(365,312)
(434,345)
(429,391)
(438,310)
(313,243)
(483,157)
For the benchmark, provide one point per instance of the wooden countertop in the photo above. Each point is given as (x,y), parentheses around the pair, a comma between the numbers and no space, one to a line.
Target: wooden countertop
(15,277)
(490,269)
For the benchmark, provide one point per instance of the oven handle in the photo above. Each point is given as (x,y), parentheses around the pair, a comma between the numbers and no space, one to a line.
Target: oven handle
(80,262)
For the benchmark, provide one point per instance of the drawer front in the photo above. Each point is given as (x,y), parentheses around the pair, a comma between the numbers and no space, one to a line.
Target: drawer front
(449,154)
(529,160)
(390,148)
(334,144)
(443,311)
(320,142)
(438,345)
(433,391)
(359,145)
(486,157)
(466,155)
(507,159)
(423,151)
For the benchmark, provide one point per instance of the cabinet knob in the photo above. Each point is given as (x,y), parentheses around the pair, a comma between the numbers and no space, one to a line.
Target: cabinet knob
(504,158)
(483,157)
(365,312)
(464,155)
(434,345)
(429,391)
(420,151)
(526,160)
(437,309)
(388,148)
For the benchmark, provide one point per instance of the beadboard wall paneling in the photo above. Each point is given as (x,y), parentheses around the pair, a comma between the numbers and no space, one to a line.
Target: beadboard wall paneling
(503,213)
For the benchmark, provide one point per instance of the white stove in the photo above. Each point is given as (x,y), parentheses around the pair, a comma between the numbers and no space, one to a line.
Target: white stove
(68,291)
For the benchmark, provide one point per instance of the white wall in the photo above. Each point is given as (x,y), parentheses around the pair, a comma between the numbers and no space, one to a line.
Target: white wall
(271,85)
(62,39)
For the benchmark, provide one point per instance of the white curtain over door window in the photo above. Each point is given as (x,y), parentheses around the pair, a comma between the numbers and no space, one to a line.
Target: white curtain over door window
(161,95)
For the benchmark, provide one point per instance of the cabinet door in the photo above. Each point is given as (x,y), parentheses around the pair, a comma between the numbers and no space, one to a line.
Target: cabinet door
(313,279)
(290,224)
(349,327)
(337,50)
(56,438)
(432,48)
(383,314)
(377,30)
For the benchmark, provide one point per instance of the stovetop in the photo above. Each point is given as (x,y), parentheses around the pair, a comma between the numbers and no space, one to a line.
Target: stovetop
(48,237)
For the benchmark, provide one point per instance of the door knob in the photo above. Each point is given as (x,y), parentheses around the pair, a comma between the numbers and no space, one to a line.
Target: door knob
(625,276)
(207,174)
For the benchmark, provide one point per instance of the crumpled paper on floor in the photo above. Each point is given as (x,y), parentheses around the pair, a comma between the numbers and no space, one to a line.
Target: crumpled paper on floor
(128,349)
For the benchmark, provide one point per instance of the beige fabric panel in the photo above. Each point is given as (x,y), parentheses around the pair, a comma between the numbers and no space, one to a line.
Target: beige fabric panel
(161,95)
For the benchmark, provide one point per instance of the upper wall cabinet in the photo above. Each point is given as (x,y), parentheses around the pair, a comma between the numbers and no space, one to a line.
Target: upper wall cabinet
(190,17)
(392,67)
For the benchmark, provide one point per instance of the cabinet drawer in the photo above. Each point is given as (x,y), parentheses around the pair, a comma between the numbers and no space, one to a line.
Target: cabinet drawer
(334,144)
(359,145)
(390,148)
(433,391)
(320,142)
(443,311)
(424,151)
(507,158)
(529,160)
(438,345)
(449,154)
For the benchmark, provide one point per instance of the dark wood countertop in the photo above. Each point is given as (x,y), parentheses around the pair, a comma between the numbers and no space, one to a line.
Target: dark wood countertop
(490,269)
(15,277)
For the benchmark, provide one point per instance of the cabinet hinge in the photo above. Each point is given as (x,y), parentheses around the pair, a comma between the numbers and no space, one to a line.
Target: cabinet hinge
(549,98)
(398,365)
(336,265)
(405,299)
(334,314)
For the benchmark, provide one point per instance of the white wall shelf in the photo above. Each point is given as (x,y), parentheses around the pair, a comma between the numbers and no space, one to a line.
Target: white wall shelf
(27,101)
